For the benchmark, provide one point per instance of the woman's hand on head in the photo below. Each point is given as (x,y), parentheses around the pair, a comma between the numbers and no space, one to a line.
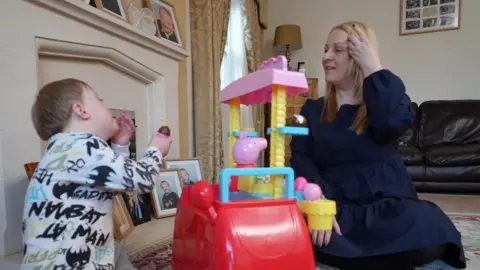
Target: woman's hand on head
(364,53)
(322,238)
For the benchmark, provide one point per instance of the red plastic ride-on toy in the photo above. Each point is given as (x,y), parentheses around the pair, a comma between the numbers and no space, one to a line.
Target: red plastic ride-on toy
(216,229)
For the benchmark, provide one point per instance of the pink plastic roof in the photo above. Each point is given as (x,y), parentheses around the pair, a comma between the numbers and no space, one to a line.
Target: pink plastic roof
(256,87)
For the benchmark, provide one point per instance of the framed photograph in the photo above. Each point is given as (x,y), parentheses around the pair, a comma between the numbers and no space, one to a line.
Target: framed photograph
(166,194)
(122,223)
(423,16)
(166,21)
(301,67)
(138,206)
(113,7)
(190,170)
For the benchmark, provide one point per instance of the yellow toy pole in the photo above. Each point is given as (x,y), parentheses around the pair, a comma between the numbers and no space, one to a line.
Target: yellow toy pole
(277,140)
(234,123)
(273,126)
(281,121)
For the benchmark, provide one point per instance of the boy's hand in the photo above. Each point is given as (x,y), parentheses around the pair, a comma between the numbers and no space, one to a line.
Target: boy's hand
(162,143)
(126,128)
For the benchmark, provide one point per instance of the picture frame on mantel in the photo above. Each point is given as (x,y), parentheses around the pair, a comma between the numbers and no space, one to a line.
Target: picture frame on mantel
(424,16)
(122,222)
(166,21)
(116,8)
(167,193)
(190,169)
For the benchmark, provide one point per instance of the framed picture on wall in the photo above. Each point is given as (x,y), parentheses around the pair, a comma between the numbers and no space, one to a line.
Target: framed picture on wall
(166,194)
(301,67)
(113,7)
(122,222)
(166,20)
(190,170)
(423,16)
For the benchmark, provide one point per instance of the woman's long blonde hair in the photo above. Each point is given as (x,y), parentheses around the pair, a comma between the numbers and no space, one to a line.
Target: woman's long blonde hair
(330,107)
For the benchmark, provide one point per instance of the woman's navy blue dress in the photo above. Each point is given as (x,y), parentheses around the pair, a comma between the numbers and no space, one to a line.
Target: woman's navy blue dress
(378,212)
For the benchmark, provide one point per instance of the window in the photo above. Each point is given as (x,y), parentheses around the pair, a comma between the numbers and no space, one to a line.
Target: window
(234,65)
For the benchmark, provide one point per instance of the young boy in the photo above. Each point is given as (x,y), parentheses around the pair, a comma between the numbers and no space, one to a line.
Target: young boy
(185,177)
(69,225)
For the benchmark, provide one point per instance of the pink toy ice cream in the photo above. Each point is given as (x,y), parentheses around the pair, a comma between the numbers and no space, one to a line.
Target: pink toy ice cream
(312,192)
(300,183)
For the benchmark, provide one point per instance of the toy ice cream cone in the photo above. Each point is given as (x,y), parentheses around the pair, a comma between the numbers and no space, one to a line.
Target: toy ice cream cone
(320,213)
(164,130)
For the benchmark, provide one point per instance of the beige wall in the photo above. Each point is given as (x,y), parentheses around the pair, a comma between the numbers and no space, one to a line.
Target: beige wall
(184,87)
(141,74)
(443,65)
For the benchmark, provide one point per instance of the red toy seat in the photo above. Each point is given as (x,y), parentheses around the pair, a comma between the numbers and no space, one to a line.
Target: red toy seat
(239,235)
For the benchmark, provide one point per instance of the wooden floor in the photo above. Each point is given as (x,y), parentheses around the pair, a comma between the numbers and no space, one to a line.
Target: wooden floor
(467,204)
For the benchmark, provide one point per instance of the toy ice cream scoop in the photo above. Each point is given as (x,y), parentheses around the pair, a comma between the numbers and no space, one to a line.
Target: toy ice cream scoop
(299,186)
(320,212)
(297,120)
(312,192)
(300,183)
(164,130)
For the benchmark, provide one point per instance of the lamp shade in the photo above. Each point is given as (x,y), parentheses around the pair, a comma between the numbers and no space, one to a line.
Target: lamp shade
(288,34)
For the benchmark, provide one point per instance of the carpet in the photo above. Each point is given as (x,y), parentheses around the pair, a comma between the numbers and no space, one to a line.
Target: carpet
(157,257)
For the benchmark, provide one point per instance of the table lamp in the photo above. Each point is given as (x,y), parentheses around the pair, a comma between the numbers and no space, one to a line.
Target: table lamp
(288,38)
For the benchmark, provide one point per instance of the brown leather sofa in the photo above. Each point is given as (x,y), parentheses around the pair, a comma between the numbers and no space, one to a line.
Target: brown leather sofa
(442,148)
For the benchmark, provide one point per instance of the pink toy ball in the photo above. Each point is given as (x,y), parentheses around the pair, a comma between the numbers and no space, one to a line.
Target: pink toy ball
(300,183)
(312,192)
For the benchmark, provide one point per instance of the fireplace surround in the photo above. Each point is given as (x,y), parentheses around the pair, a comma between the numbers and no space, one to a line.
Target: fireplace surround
(45,40)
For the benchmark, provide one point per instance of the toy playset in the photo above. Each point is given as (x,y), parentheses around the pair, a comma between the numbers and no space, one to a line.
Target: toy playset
(253,219)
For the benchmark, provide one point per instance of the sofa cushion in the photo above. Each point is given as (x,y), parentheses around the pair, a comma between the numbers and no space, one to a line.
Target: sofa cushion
(409,138)
(453,155)
(410,155)
(452,122)
(456,174)
(448,187)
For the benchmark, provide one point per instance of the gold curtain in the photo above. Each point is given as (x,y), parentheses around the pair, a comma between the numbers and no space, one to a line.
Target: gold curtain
(253,30)
(263,13)
(209,24)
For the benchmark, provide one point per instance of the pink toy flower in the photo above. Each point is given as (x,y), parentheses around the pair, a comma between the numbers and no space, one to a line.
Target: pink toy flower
(300,183)
(312,192)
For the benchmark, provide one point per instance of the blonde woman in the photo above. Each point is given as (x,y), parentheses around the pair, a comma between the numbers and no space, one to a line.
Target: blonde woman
(350,153)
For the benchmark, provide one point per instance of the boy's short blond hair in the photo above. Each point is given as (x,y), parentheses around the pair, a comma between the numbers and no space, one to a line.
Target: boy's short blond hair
(53,106)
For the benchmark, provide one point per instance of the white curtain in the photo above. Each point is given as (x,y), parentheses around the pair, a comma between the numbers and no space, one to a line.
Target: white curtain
(234,66)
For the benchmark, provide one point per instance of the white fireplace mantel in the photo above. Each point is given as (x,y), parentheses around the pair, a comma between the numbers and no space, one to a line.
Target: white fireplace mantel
(45,40)
(99,19)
